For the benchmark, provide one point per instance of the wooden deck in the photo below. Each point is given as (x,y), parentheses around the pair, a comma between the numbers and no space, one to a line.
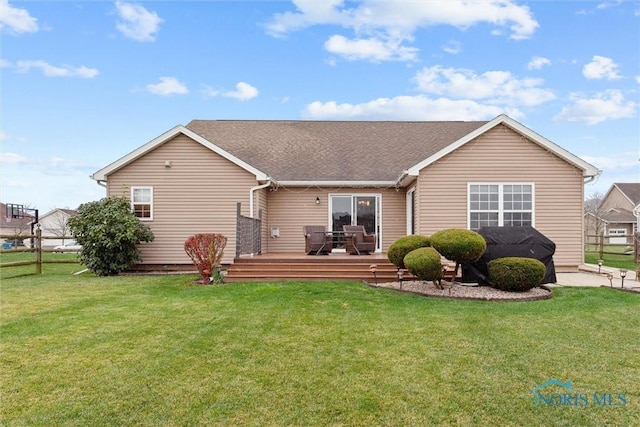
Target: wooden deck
(299,266)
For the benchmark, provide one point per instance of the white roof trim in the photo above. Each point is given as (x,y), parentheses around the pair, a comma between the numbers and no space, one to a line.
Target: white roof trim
(336,183)
(102,174)
(588,169)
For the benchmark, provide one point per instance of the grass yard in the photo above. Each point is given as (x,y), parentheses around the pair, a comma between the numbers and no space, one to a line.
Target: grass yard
(612,260)
(158,350)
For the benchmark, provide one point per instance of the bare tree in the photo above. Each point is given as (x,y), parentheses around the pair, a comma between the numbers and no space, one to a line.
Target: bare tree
(59,226)
(594,215)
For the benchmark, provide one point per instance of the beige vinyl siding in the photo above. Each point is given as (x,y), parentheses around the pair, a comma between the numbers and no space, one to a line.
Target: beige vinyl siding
(616,200)
(504,156)
(197,194)
(292,208)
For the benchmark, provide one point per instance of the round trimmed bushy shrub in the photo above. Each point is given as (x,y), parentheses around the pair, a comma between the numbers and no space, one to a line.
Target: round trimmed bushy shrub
(516,274)
(401,247)
(459,245)
(424,263)
(109,234)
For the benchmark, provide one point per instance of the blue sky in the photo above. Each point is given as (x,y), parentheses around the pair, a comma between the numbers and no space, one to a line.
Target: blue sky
(85,82)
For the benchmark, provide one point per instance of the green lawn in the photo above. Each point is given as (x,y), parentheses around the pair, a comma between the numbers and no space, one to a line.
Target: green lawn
(615,260)
(158,350)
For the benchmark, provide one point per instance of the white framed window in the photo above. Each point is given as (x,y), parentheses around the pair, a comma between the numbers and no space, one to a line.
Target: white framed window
(142,202)
(618,232)
(496,204)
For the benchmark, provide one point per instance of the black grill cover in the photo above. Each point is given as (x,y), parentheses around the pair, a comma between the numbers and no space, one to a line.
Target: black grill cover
(503,242)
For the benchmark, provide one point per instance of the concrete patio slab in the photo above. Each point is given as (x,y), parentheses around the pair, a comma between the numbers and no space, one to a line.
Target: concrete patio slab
(589,276)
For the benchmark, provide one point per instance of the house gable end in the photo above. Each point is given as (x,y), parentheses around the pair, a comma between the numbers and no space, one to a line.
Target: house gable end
(103,173)
(588,170)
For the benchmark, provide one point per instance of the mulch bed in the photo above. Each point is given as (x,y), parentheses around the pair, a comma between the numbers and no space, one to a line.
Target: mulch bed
(459,291)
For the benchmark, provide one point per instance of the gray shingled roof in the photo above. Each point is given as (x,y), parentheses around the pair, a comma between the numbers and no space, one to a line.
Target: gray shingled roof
(631,190)
(331,151)
(619,215)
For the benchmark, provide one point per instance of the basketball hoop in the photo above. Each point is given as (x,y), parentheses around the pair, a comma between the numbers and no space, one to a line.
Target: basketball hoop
(14,211)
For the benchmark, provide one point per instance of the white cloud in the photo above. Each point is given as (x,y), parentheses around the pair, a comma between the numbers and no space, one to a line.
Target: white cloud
(167,86)
(12,159)
(210,92)
(369,49)
(244,91)
(453,47)
(16,20)
(136,22)
(383,23)
(608,105)
(417,107)
(55,71)
(537,62)
(614,161)
(496,87)
(601,67)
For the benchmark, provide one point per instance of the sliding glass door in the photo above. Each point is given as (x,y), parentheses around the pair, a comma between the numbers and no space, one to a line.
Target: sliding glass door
(356,209)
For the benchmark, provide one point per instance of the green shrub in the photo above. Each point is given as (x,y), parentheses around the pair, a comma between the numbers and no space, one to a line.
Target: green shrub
(108,232)
(516,274)
(424,263)
(459,245)
(401,247)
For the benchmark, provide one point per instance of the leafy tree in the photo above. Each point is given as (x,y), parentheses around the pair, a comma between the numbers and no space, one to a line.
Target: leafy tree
(108,232)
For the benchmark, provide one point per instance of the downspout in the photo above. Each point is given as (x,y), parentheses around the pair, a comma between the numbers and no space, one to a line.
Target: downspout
(402,176)
(253,190)
(102,183)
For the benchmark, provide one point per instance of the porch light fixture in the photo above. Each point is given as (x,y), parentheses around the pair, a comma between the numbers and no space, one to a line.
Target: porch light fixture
(610,277)
(317,200)
(623,274)
(599,265)
(373,268)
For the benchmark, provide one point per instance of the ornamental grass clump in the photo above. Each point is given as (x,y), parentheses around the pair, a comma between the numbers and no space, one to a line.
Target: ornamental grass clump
(424,263)
(459,245)
(401,247)
(516,274)
(206,250)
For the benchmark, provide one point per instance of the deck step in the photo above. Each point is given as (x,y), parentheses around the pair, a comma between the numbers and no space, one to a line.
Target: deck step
(296,267)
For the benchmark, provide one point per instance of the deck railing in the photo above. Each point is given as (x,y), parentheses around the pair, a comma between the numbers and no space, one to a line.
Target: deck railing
(248,233)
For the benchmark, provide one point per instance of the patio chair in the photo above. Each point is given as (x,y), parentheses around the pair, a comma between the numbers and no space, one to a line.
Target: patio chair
(358,240)
(317,240)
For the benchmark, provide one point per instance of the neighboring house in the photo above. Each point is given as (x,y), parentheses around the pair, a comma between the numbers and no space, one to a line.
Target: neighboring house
(395,178)
(616,215)
(54,224)
(9,225)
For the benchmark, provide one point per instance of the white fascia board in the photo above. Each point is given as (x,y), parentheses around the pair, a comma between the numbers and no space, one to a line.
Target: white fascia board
(336,183)
(102,174)
(588,170)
